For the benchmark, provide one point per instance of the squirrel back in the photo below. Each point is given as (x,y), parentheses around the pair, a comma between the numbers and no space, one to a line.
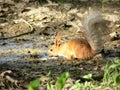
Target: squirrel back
(95,28)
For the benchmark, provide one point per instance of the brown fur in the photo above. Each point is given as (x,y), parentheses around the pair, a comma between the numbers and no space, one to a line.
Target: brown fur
(75,48)
(95,28)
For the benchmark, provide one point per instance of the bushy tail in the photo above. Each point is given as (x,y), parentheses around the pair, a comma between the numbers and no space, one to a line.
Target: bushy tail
(95,28)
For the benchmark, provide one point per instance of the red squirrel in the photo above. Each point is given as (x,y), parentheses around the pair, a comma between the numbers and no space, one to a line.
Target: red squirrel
(95,27)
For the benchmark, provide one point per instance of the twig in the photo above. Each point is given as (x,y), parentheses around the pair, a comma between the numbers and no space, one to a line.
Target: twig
(50,3)
(16,21)
(4,75)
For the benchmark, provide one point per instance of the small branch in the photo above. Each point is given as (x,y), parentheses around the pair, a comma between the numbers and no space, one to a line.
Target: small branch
(16,21)
(5,75)
(50,3)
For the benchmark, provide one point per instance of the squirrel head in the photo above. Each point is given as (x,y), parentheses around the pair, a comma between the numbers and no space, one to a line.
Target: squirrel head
(54,50)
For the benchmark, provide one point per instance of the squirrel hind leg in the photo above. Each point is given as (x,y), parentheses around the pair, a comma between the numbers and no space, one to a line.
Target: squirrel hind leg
(88,54)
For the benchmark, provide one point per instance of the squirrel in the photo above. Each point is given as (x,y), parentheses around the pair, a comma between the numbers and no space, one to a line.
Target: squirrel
(83,48)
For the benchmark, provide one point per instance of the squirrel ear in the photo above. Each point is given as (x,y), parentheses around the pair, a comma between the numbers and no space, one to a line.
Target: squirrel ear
(58,38)
(58,43)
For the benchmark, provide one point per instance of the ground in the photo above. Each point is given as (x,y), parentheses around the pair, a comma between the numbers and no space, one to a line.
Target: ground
(28,29)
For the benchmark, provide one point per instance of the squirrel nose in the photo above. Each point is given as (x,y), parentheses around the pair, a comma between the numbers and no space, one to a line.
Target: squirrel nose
(52,43)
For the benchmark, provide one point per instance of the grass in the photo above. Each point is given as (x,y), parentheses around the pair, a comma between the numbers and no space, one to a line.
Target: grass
(103,3)
(110,81)
(112,73)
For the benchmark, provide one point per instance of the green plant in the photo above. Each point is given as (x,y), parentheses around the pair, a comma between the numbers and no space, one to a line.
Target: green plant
(87,86)
(88,76)
(34,85)
(49,73)
(50,85)
(111,79)
(82,86)
(62,80)
(76,85)
(112,73)
(103,2)
(58,1)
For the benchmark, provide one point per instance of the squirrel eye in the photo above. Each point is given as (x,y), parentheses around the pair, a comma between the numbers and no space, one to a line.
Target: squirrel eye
(51,50)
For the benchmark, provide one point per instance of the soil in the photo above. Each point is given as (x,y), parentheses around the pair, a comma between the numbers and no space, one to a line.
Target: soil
(28,29)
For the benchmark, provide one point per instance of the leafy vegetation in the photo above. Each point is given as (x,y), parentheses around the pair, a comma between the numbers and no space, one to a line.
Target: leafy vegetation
(112,73)
(62,80)
(111,79)
(34,85)
(103,2)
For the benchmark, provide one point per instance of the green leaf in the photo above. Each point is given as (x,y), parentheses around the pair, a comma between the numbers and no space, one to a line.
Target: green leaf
(62,80)
(50,85)
(34,85)
(104,1)
(89,76)
(49,73)
(118,79)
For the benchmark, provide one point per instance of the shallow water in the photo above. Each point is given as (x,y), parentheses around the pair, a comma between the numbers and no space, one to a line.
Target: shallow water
(12,50)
